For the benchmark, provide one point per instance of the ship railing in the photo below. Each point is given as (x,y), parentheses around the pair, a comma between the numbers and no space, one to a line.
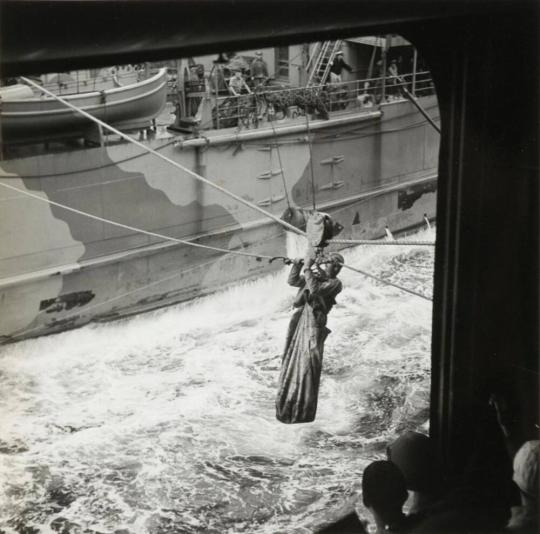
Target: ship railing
(250,110)
(369,92)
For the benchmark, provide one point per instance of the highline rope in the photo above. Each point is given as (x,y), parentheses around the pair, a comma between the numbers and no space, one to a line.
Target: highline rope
(125,294)
(386,282)
(198,177)
(282,169)
(400,242)
(132,228)
(190,243)
(164,158)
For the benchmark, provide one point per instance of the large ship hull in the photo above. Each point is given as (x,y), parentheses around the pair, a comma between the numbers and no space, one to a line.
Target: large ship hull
(59,269)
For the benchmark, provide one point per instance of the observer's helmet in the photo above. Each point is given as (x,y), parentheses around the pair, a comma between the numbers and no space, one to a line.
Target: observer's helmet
(383,486)
(526,468)
(414,454)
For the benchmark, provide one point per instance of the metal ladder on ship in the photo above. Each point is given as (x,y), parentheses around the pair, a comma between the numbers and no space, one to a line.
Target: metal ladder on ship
(319,63)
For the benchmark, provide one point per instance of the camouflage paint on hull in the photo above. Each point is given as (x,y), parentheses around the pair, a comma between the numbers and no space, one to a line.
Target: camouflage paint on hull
(59,269)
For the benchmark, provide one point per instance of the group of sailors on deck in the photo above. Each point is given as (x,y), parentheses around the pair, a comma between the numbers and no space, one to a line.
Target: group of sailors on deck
(258,75)
(249,83)
(245,80)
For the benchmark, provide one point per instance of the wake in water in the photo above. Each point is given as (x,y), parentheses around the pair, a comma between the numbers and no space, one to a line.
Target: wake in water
(165,422)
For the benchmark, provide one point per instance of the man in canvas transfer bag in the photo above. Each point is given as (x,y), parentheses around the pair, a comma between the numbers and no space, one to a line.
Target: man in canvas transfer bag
(302,360)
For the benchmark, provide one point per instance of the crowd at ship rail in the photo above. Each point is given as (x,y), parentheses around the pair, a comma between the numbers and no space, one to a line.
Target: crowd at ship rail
(245,94)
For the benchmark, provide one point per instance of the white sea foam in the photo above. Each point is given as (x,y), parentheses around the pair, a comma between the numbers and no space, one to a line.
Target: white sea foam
(166,420)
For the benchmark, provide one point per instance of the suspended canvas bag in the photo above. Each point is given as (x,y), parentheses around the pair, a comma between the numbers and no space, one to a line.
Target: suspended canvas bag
(300,375)
(298,388)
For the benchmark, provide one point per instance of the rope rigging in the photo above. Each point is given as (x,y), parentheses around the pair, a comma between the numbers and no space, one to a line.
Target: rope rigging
(121,296)
(258,257)
(281,165)
(182,272)
(402,242)
(132,228)
(311,163)
(211,184)
(388,283)
(183,168)
(191,173)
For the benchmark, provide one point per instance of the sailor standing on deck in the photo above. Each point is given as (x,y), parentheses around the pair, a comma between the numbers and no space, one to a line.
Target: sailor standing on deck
(258,70)
(394,90)
(337,67)
(237,84)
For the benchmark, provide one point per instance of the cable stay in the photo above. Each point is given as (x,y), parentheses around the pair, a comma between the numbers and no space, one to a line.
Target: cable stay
(388,283)
(121,296)
(281,166)
(258,257)
(417,105)
(311,164)
(181,167)
(132,228)
(198,266)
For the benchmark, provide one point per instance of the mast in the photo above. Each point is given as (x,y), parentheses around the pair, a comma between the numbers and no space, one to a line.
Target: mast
(415,60)
(180,95)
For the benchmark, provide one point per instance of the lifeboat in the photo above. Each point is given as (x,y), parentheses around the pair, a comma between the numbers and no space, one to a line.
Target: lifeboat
(26,117)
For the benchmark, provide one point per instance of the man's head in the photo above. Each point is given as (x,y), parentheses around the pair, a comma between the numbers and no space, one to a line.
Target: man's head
(339,53)
(336,263)
(383,489)
(200,70)
(237,73)
(413,454)
(259,54)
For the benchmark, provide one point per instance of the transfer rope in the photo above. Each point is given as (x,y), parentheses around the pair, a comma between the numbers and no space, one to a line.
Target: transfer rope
(196,176)
(132,228)
(386,282)
(379,243)
(164,158)
(281,168)
(181,241)
(178,165)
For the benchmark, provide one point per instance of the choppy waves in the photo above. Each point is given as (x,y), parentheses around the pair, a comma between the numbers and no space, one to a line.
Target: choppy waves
(165,422)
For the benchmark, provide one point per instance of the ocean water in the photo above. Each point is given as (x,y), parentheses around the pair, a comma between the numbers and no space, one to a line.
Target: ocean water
(165,422)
